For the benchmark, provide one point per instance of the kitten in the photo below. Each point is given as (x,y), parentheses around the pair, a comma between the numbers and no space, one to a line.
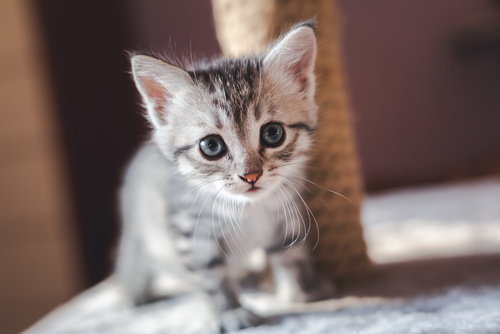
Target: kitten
(214,195)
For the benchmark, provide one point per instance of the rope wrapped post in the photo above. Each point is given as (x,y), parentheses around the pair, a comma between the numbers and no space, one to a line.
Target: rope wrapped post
(247,27)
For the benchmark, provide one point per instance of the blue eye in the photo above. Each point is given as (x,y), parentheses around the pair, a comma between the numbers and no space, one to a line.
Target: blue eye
(272,134)
(212,147)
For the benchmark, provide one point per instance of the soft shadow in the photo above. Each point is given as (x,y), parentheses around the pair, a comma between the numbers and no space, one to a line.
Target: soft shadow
(406,279)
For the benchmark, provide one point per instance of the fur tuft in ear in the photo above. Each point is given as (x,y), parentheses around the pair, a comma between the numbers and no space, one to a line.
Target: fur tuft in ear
(294,54)
(158,83)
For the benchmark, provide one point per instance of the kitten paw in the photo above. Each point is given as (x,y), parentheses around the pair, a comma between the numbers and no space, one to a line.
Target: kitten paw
(322,289)
(239,318)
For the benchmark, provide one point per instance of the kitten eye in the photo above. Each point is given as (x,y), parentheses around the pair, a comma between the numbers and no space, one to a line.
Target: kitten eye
(212,147)
(272,134)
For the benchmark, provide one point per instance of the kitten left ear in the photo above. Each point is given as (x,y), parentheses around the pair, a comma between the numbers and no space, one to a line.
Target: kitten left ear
(158,83)
(294,54)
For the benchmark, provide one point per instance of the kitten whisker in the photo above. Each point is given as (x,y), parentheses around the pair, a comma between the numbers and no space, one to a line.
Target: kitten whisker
(237,220)
(196,225)
(232,216)
(292,219)
(198,189)
(306,230)
(295,213)
(285,216)
(309,214)
(301,184)
(294,210)
(224,204)
(222,230)
(238,238)
(191,55)
(277,208)
(329,190)
(301,163)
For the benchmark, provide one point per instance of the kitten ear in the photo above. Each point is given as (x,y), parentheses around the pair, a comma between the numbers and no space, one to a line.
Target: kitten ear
(158,83)
(294,54)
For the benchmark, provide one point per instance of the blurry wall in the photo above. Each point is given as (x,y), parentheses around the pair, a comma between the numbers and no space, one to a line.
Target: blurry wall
(422,112)
(86,43)
(39,262)
(182,27)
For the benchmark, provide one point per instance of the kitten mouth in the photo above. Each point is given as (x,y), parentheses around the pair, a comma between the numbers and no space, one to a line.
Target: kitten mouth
(253,189)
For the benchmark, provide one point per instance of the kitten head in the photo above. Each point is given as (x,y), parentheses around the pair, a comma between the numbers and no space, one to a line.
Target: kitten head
(242,127)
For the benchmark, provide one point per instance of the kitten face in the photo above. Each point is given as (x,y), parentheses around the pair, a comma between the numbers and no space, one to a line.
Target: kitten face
(240,128)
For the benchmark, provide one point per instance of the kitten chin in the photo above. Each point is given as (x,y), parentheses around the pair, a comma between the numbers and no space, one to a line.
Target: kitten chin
(250,194)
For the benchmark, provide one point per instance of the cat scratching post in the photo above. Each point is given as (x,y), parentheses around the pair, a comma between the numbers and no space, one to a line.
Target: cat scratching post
(246,27)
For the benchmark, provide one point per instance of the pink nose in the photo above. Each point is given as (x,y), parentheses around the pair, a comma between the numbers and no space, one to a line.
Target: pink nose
(251,178)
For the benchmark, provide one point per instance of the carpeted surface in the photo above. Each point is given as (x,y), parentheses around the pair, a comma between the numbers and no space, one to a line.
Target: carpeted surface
(459,310)
(438,266)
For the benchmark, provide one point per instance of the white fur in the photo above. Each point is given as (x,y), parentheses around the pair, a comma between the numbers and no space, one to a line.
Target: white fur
(234,221)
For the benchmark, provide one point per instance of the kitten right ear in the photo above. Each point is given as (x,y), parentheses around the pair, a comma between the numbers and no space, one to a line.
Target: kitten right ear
(158,83)
(294,55)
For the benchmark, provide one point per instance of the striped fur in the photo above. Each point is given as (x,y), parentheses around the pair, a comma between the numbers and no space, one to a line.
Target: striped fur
(189,222)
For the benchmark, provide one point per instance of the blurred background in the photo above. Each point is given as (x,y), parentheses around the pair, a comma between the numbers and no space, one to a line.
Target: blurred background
(423,75)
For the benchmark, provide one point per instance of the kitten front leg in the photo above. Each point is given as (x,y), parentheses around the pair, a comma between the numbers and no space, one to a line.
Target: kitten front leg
(148,264)
(218,283)
(146,276)
(296,279)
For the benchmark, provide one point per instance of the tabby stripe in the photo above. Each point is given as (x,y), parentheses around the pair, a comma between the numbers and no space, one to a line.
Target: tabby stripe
(302,126)
(286,153)
(215,262)
(207,169)
(181,150)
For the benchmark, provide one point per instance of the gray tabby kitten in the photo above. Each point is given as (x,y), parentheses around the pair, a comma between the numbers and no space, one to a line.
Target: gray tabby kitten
(214,195)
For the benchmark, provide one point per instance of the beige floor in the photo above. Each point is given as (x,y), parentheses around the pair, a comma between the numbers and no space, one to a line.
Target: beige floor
(37,249)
